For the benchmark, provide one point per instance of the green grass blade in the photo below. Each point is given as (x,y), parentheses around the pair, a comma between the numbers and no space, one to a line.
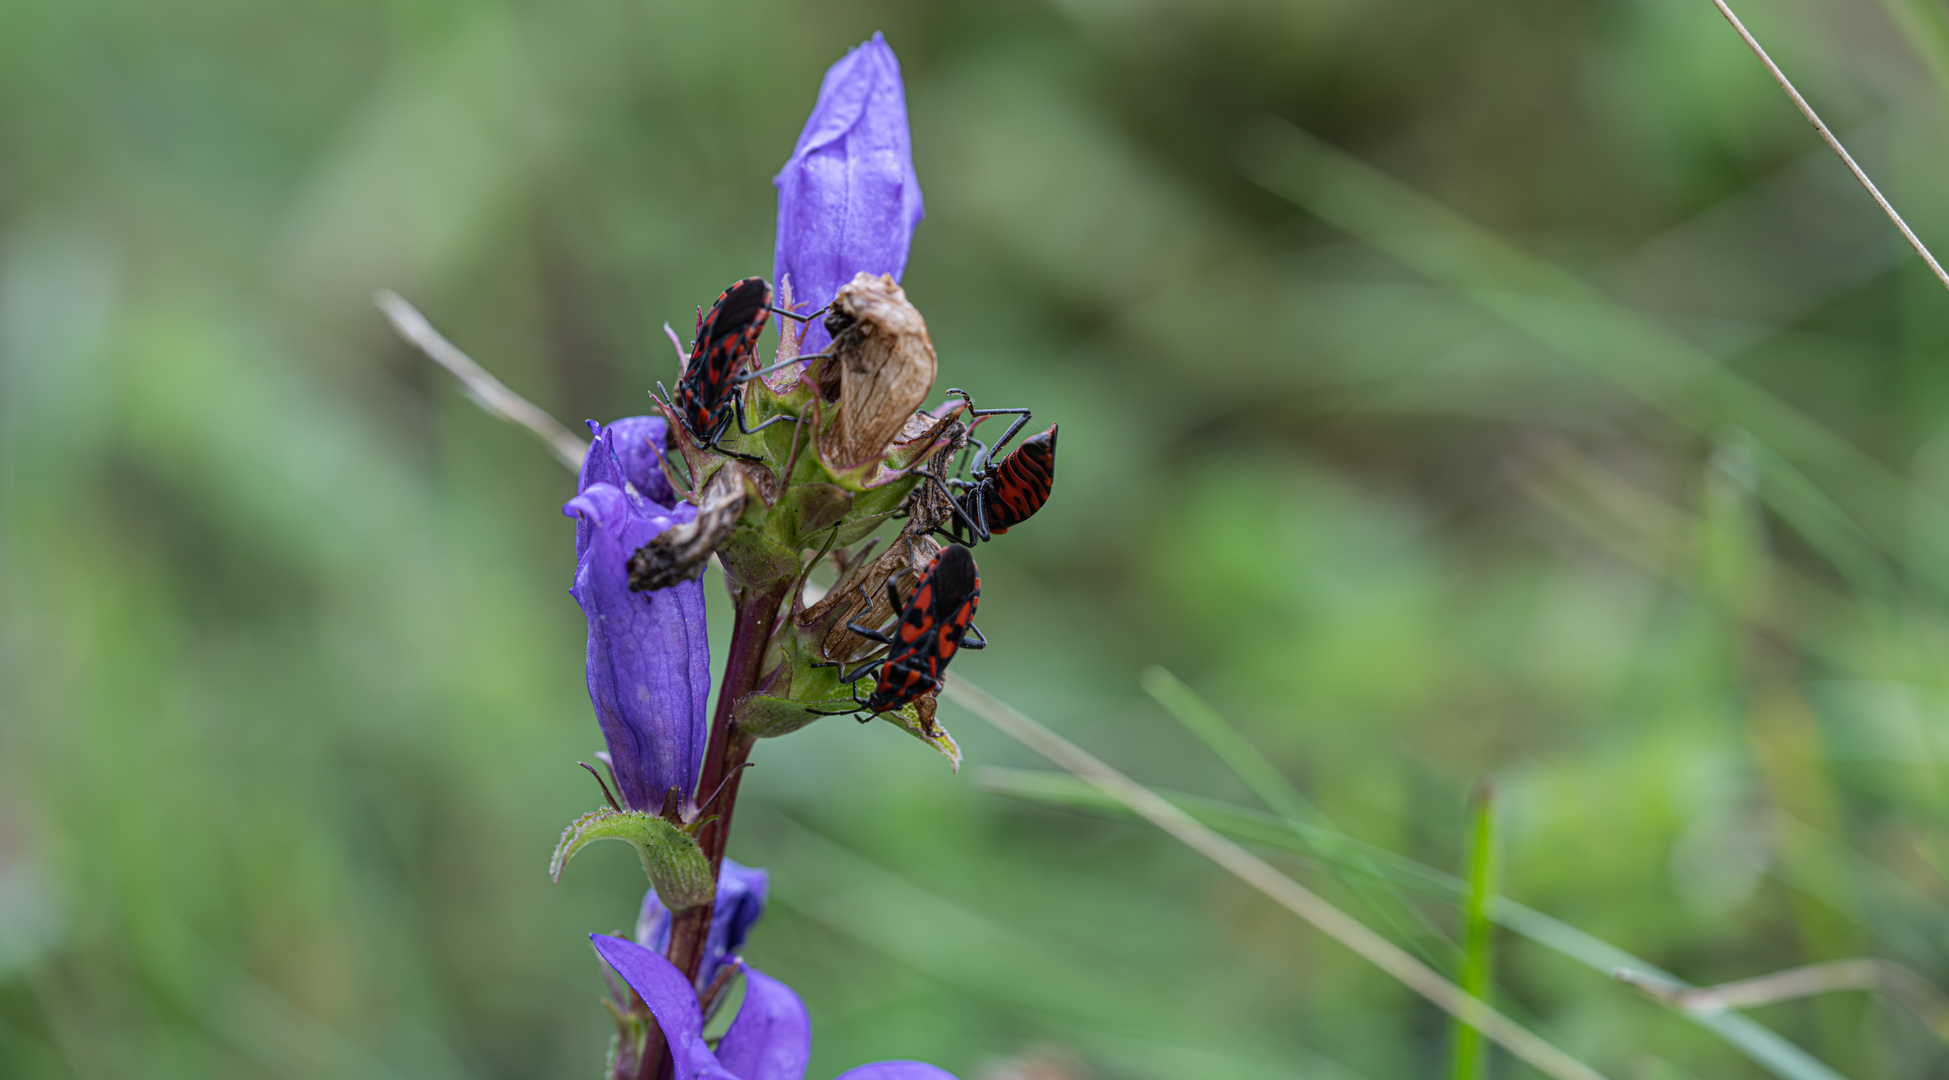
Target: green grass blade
(1311,908)
(1477,963)
(1560,310)
(1239,755)
(1760,1044)
(1271,787)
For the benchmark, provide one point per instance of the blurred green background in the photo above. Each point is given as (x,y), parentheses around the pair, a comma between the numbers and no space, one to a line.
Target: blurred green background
(1556,412)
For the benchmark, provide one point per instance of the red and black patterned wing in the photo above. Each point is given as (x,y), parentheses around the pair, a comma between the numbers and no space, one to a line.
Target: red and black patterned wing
(1022,481)
(725,338)
(931,627)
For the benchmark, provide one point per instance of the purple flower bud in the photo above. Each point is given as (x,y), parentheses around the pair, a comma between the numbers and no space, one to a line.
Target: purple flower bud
(649,653)
(740,901)
(771,1038)
(848,199)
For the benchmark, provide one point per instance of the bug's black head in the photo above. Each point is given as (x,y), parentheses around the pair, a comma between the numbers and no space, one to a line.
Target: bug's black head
(954,576)
(838,321)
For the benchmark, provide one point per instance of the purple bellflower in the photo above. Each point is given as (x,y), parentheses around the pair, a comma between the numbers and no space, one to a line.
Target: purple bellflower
(770,1039)
(649,654)
(740,901)
(848,199)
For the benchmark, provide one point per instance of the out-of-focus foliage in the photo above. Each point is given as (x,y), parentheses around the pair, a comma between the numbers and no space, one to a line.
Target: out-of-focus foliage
(1556,410)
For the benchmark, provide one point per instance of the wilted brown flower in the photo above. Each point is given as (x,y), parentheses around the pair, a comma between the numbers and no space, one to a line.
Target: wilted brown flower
(885,362)
(679,552)
(862,596)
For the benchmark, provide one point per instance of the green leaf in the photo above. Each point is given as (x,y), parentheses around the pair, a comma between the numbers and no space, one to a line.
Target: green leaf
(916,718)
(671,857)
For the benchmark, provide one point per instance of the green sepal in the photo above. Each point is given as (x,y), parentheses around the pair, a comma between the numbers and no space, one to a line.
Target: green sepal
(671,857)
(755,560)
(763,716)
(811,507)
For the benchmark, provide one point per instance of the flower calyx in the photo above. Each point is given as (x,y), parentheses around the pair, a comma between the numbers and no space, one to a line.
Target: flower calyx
(676,866)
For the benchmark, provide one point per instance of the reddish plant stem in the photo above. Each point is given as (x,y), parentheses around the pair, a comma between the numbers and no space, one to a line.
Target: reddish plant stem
(757,618)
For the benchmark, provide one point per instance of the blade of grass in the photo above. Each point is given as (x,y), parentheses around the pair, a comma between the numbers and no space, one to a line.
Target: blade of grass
(976,946)
(1558,309)
(1476,960)
(1758,1043)
(1288,893)
(1239,755)
(1272,788)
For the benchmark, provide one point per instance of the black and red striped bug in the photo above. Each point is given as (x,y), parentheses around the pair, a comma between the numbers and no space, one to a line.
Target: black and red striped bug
(707,396)
(1002,494)
(934,624)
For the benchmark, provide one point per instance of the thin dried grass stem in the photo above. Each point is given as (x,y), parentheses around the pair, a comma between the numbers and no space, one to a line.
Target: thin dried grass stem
(481,388)
(1833,143)
(1259,874)
(1884,977)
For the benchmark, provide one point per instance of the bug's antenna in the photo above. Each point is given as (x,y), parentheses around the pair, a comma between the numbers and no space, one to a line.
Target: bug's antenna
(1833,143)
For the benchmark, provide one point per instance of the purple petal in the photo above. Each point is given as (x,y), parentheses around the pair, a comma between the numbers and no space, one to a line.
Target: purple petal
(649,653)
(625,455)
(741,894)
(848,199)
(671,1000)
(897,1070)
(771,1039)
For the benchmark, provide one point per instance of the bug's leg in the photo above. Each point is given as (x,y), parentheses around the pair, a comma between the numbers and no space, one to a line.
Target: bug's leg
(852,678)
(863,704)
(979,640)
(869,633)
(730,410)
(977,450)
(796,316)
(762,372)
(959,510)
(988,455)
(1021,417)
(718,427)
(739,413)
(857,705)
(981,511)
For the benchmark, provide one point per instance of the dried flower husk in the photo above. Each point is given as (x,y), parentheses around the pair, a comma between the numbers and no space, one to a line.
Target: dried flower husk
(885,364)
(929,505)
(680,552)
(862,598)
